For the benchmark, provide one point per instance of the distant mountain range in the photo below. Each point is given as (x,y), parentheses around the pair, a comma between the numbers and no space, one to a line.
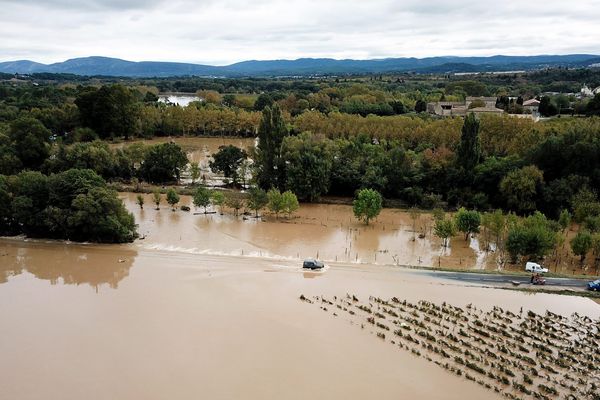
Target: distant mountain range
(106,66)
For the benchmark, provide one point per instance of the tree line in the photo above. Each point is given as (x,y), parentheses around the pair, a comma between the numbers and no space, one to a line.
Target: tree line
(75,205)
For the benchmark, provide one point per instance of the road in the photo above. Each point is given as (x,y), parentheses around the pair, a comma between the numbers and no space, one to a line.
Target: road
(502,279)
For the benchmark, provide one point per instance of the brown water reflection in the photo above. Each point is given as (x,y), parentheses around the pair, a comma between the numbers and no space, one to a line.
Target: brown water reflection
(202,326)
(69,264)
(329,232)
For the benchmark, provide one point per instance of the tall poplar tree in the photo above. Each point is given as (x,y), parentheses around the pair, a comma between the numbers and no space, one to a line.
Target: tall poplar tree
(469,148)
(271,132)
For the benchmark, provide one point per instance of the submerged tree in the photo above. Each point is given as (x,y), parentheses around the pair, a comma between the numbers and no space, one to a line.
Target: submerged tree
(194,171)
(367,205)
(290,202)
(201,198)
(140,201)
(217,198)
(172,198)
(258,200)
(275,201)
(228,161)
(467,221)
(163,163)
(444,229)
(234,201)
(156,197)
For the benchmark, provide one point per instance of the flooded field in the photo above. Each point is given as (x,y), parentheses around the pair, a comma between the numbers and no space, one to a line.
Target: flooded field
(218,306)
(325,231)
(200,150)
(123,321)
(181,99)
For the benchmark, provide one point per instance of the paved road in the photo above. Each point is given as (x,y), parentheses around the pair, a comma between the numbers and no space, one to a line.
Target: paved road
(501,279)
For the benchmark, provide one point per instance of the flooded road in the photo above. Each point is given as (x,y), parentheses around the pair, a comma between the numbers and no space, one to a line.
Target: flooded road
(107,322)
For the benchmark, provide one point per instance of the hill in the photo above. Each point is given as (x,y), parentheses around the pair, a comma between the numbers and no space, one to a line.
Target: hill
(301,67)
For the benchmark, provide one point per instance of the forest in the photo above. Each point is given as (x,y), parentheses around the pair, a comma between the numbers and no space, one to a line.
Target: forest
(317,137)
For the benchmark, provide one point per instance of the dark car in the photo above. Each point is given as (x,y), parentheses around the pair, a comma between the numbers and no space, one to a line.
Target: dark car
(311,263)
(594,285)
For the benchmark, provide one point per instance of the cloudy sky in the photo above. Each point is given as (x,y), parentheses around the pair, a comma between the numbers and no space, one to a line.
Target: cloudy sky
(226,31)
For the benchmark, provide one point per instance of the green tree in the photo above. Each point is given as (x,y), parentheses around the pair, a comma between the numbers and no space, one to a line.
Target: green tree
(271,132)
(564,220)
(228,161)
(218,199)
(172,198)
(468,154)
(234,201)
(581,244)
(585,204)
(275,201)
(596,248)
(194,171)
(5,207)
(534,236)
(290,203)
(99,216)
(308,165)
(140,200)
(367,205)
(520,188)
(495,224)
(243,172)
(547,107)
(467,221)
(9,162)
(257,200)
(31,141)
(444,229)
(156,197)
(593,106)
(263,101)
(111,111)
(75,204)
(201,198)
(163,163)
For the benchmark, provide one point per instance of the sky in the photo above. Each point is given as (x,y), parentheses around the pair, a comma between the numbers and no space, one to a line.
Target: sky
(226,31)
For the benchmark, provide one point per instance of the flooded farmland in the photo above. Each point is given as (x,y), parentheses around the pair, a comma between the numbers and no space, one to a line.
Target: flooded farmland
(122,321)
(200,150)
(326,231)
(209,306)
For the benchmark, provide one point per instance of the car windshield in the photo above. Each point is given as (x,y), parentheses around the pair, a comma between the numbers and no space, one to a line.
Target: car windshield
(596,282)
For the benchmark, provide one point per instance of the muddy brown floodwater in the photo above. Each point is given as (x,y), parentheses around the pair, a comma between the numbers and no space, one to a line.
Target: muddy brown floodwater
(127,322)
(200,150)
(326,231)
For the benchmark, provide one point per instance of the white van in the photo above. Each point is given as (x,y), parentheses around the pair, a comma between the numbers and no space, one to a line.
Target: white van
(535,267)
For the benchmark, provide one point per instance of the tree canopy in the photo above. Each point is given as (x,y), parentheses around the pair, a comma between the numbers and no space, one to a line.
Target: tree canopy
(228,161)
(163,163)
(75,204)
(367,205)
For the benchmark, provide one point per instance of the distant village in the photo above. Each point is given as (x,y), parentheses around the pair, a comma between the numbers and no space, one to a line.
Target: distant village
(514,106)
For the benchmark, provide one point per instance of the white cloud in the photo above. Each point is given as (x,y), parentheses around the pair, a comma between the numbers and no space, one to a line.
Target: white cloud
(221,32)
